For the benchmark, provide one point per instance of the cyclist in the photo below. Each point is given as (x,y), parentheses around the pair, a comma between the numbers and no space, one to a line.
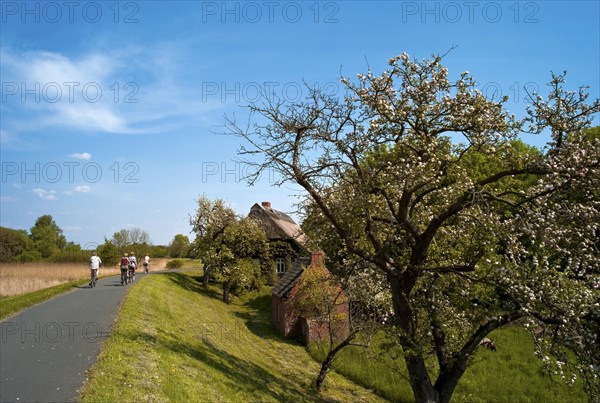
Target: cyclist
(146,263)
(132,266)
(124,267)
(95,263)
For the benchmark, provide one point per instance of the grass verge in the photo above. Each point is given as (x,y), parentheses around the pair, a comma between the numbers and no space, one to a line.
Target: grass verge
(511,374)
(176,341)
(13,304)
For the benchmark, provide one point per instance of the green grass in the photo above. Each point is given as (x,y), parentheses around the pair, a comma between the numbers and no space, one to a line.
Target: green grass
(190,263)
(511,374)
(14,304)
(183,263)
(175,341)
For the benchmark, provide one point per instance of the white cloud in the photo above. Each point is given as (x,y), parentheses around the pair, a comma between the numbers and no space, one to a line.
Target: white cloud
(81,156)
(45,194)
(89,92)
(83,189)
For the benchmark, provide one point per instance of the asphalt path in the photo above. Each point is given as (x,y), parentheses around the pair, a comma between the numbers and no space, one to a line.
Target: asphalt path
(46,350)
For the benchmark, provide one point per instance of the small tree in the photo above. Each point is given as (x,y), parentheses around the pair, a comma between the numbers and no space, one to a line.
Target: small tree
(209,222)
(134,239)
(320,298)
(244,246)
(225,244)
(48,238)
(179,246)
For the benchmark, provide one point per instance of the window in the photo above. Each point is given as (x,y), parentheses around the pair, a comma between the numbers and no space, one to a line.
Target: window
(280,264)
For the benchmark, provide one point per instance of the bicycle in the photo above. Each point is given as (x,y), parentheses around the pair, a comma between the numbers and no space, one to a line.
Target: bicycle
(146,267)
(131,274)
(93,277)
(124,273)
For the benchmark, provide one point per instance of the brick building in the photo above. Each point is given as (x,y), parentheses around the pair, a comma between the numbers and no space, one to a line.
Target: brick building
(285,317)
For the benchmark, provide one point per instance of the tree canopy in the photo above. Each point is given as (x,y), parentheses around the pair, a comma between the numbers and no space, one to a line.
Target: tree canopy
(422,178)
(231,249)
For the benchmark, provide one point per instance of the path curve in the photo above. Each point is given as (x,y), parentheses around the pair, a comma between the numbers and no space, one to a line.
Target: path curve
(46,350)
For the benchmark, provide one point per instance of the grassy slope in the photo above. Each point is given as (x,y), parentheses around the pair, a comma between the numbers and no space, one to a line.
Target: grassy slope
(511,374)
(174,341)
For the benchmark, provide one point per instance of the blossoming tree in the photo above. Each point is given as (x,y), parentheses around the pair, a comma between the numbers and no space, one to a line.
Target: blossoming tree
(422,178)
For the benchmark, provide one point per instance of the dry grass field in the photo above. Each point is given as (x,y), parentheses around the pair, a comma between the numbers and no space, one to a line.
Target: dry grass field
(16,279)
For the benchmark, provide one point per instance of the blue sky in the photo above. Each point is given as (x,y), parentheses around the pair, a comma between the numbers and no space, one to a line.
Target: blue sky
(109,109)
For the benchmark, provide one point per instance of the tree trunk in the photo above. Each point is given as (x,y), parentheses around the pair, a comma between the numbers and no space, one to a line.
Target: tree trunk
(446,382)
(226,292)
(325,365)
(420,381)
(206,276)
(421,386)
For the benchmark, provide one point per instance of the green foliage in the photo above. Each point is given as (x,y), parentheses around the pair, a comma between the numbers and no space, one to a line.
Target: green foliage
(223,243)
(159,251)
(109,253)
(47,237)
(241,243)
(128,240)
(175,264)
(317,295)
(180,246)
(242,276)
(29,256)
(13,243)
(72,253)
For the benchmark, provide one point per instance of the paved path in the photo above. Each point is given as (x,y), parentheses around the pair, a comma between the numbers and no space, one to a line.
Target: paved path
(46,350)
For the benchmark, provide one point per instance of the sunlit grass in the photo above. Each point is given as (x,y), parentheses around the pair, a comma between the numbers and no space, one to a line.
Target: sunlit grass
(176,341)
(511,374)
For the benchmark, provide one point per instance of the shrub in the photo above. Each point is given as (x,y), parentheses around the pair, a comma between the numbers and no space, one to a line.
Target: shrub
(175,264)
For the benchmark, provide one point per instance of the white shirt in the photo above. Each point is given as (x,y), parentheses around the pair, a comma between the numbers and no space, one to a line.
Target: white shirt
(95,262)
(133,261)
(147,259)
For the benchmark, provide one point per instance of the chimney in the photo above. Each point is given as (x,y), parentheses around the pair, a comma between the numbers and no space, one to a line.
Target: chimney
(266,204)
(317,258)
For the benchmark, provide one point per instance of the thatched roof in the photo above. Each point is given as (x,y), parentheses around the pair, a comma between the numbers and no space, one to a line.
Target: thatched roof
(277,225)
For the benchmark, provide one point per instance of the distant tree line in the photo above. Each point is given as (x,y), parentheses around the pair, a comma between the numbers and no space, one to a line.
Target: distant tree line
(46,242)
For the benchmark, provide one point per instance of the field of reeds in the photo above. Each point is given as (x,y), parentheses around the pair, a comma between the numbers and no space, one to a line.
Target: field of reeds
(21,278)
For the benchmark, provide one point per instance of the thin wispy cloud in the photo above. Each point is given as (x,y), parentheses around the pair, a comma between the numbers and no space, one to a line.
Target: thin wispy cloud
(95,92)
(83,189)
(45,194)
(81,156)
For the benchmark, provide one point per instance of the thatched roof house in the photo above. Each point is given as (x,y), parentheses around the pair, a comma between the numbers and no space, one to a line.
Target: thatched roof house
(288,241)
(277,225)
